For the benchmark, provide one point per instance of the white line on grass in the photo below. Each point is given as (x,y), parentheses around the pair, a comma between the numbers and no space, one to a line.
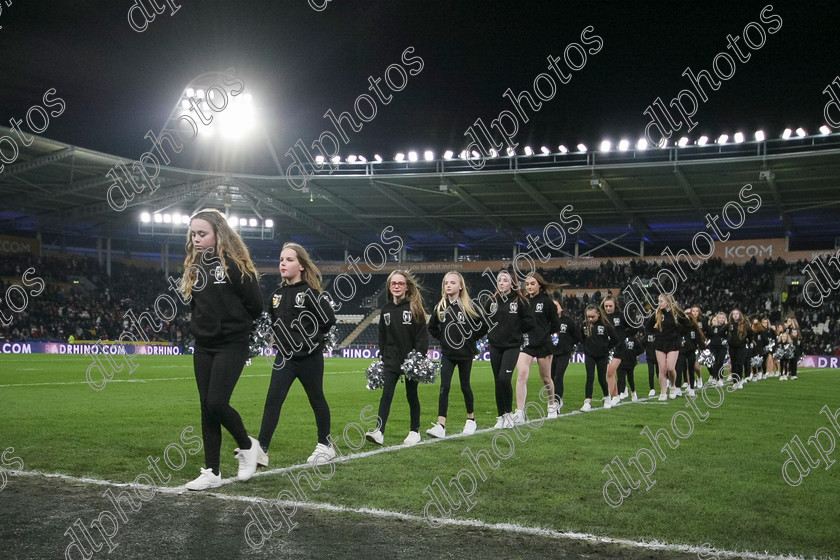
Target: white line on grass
(472,523)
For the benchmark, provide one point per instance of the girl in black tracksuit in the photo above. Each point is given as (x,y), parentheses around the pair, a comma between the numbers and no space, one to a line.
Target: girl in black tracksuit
(761,339)
(564,342)
(402,328)
(222,283)
(510,317)
(740,337)
(796,340)
(716,337)
(598,338)
(539,343)
(301,316)
(623,332)
(692,340)
(650,357)
(457,325)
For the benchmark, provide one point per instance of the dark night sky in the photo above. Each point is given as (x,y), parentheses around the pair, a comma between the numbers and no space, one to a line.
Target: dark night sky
(298,62)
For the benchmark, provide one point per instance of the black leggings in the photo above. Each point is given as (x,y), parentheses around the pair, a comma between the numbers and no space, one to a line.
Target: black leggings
(216,374)
(558,371)
(310,370)
(503,362)
(447,368)
(626,376)
(391,379)
(685,368)
(590,364)
(738,358)
(719,353)
(653,369)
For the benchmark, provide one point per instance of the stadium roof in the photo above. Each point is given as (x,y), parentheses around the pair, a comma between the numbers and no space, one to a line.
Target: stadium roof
(625,200)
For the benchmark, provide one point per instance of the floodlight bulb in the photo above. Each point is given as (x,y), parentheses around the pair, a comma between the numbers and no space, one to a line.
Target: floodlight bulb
(739,137)
(252,222)
(529,151)
(400,156)
(801,132)
(428,155)
(642,144)
(683,142)
(269,223)
(563,149)
(786,133)
(145,217)
(723,138)
(378,158)
(623,145)
(702,140)
(545,150)
(158,218)
(447,154)
(581,147)
(412,156)
(243,222)
(759,135)
(825,130)
(606,145)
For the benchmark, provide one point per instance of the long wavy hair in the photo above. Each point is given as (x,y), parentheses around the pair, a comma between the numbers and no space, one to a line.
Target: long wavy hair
(229,246)
(675,310)
(743,324)
(463,295)
(310,274)
(545,286)
(412,294)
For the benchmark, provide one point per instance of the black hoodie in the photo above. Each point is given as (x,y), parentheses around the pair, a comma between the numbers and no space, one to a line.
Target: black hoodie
(457,333)
(400,333)
(510,317)
(300,318)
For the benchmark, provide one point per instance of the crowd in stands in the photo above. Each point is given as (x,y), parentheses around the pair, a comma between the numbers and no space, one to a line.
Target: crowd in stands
(65,309)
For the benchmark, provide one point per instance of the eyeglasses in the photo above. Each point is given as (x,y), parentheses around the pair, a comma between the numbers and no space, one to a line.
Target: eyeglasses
(398,283)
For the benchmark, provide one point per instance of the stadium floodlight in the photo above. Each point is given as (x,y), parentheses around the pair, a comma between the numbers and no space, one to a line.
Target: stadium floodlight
(199,93)
(167,218)
(824,130)
(145,217)
(362,159)
(243,221)
(493,153)
(158,218)
(703,140)
(642,144)
(185,219)
(623,145)
(319,159)
(399,157)
(683,142)
(801,132)
(759,135)
(529,151)
(351,158)
(428,155)
(190,92)
(336,159)
(269,223)
(447,155)
(723,139)
(476,155)
(581,147)
(378,159)
(185,104)
(233,221)
(545,150)
(252,222)
(786,133)
(511,152)
(563,149)
(606,145)
(412,156)
(739,137)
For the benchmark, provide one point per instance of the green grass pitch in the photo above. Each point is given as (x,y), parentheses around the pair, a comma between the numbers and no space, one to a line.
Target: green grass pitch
(722,485)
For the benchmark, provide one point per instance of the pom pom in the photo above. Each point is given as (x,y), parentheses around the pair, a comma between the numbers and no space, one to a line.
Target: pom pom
(375,375)
(756,361)
(481,346)
(524,341)
(555,340)
(706,358)
(331,340)
(611,355)
(260,337)
(420,368)
(769,348)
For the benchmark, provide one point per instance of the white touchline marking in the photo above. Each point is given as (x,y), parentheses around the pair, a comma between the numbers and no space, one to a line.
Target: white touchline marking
(473,523)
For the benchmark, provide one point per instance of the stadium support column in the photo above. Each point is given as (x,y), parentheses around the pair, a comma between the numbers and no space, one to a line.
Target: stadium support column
(108,256)
(641,250)
(164,259)
(455,257)
(99,251)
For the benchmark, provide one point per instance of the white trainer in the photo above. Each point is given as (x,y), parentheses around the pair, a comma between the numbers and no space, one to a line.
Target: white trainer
(652,393)
(699,383)
(559,403)
(437,431)
(672,393)
(634,397)
(691,393)
(322,454)
(607,402)
(469,427)
(615,401)
(552,411)
(205,480)
(508,421)
(262,458)
(663,396)
(413,438)
(586,407)
(500,422)
(247,460)
(519,417)
(375,436)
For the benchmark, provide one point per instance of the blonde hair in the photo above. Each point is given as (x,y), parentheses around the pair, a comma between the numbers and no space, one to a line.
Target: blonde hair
(310,273)
(412,294)
(675,311)
(463,295)
(228,246)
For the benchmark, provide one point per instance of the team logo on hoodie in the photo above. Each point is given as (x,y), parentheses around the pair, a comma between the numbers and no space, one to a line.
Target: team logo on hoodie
(275,300)
(299,299)
(219,274)
(514,307)
(493,308)
(406,317)
(387,319)
(539,308)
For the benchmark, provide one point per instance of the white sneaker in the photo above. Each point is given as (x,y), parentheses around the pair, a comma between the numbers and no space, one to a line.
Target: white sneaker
(663,396)
(437,431)
(652,393)
(678,392)
(552,411)
(586,407)
(559,403)
(615,401)
(684,385)
(508,421)
(469,427)
(519,417)
(247,460)
(413,438)
(699,383)
(672,393)
(500,422)
(634,396)
(795,377)
(691,393)
(375,436)
(262,458)
(205,480)
(322,454)
(624,394)
(607,402)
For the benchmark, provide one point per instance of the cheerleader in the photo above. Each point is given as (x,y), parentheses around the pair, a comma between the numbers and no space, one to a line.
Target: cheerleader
(650,357)
(687,359)
(796,340)
(761,339)
(740,337)
(300,319)
(539,344)
(668,323)
(457,325)
(402,328)
(767,351)
(716,341)
(598,338)
(785,351)
(623,331)
(222,286)
(564,342)
(512,317)
(702,324)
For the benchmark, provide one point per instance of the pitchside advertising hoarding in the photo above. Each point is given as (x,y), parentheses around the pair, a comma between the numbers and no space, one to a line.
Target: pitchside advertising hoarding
(163,349)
